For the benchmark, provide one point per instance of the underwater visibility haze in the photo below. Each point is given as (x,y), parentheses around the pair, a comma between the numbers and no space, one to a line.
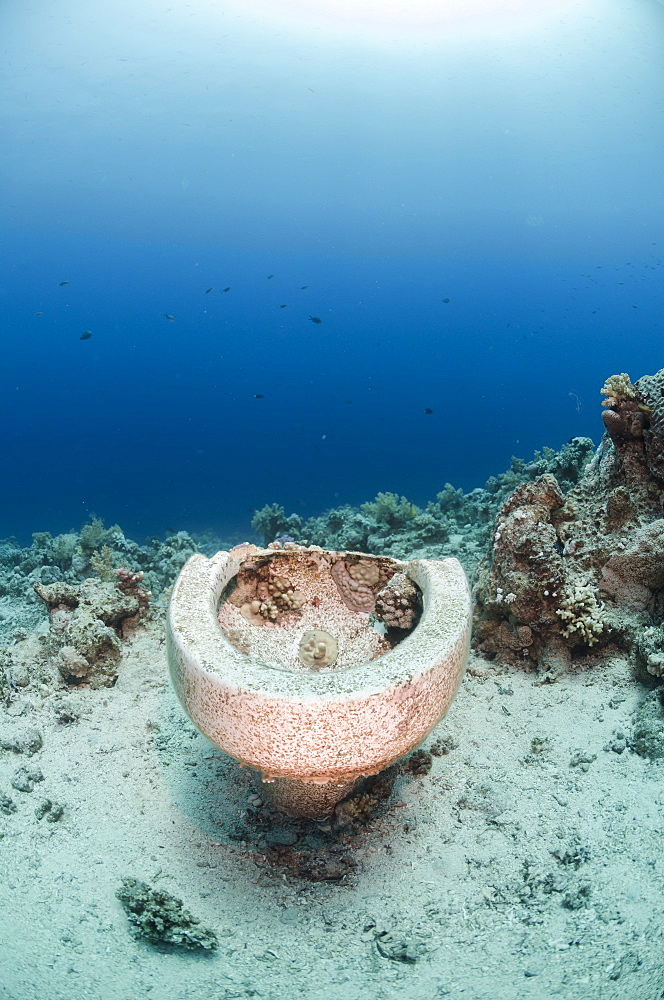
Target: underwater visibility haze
(303,253)
(308,274)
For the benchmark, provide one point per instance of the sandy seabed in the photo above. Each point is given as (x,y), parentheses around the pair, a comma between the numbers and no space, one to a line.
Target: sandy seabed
(526,864)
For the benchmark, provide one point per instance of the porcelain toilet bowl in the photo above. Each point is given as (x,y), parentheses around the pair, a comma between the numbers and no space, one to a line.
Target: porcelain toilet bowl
(314,733)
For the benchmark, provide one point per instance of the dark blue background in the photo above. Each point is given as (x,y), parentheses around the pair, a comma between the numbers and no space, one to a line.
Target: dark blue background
(518,177)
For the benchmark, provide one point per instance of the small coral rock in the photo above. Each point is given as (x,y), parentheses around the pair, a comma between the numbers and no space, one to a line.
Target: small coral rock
(317,648)
(7,805)
(25,778)
(398,605)
(27,741)
(161,919)
(419,762)
(648,733)
(53,811)
(72,665)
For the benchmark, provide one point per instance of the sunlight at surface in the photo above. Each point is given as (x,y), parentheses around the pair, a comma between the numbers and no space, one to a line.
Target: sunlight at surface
(415,17)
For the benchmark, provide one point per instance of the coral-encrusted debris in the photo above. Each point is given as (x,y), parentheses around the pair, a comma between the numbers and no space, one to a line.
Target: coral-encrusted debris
(161,919)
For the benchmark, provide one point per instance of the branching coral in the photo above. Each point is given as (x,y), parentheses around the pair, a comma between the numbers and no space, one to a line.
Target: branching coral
(130,583)
(582,615)
(617,389)
(273,595)
(391,510)
(626,415)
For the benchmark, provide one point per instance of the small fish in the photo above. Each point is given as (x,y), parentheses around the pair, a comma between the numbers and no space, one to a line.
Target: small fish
(283,305)
(446,300)
(86,335)
(61,284)
(208,290)
(302,287)
(428,410)
(226,289)
(315,319)
(259,395)
(270,276)
(171,319)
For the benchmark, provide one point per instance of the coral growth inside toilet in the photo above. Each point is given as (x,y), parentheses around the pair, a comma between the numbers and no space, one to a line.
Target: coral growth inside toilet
(305,609)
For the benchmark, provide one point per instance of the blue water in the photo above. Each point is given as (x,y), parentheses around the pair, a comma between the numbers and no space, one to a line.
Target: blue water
(153,155)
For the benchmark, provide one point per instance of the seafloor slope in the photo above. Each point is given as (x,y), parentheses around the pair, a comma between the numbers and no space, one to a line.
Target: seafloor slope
(516,854)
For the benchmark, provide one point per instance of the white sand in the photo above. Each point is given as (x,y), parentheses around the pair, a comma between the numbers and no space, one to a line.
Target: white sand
(441,870)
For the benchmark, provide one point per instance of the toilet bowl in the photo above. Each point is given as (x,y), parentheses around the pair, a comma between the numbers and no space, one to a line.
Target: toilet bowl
(301,665)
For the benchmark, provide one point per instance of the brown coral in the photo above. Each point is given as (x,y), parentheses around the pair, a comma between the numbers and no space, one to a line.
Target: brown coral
(366,573)
(262,595)
(398,605)
(356,595)
(651,395)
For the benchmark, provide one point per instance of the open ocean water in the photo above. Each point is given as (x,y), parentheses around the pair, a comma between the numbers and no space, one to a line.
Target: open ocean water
(302,253)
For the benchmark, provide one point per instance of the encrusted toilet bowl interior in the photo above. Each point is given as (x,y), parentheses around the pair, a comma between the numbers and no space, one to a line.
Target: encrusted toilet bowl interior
(312,610)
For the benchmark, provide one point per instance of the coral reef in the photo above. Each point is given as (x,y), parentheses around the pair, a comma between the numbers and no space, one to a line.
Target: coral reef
(566,553)
(87,620)
(95,551)
(454,524)
(584,570)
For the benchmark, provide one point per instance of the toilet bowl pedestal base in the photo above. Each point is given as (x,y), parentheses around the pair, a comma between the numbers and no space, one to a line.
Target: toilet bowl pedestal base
(307,799)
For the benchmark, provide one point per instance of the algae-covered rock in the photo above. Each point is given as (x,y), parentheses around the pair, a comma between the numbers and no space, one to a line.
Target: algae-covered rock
(27,741)
(648,650)
(72,665)
(53,811)
(7,804)
(648,732)
(161,919)
(25,778)
(101,599)
(86,620)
